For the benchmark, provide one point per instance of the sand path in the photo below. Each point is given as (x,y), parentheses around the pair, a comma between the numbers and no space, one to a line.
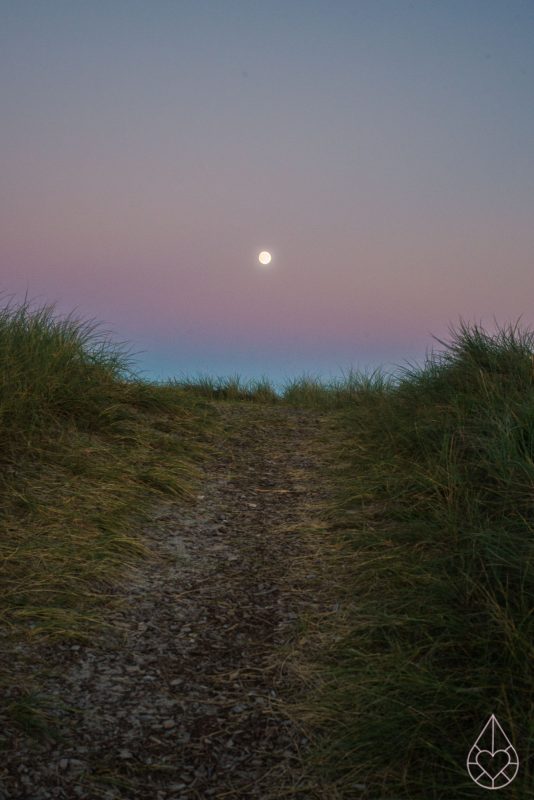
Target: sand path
(181,701)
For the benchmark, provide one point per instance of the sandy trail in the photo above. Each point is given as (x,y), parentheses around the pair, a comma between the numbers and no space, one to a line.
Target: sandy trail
(181,702)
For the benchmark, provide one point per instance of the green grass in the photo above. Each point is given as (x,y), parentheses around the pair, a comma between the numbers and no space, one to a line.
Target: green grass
(312,391)
(228,388)
(435,510)
(306,391)
(85,449)
(433,520)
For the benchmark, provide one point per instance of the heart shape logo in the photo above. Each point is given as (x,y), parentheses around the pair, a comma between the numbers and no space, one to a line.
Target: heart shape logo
(493,763)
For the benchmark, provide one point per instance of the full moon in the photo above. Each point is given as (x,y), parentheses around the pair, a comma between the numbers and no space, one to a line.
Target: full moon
(264,257)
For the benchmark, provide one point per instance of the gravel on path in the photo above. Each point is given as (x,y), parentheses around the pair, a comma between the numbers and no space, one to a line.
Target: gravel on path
(180,701)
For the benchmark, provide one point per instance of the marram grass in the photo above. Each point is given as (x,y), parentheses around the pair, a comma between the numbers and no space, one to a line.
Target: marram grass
(435,510)
(85,447)
(433,517)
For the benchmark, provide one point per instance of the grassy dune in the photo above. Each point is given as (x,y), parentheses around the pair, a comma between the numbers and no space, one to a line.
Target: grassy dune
(84,448)
(435,512)
(433,516)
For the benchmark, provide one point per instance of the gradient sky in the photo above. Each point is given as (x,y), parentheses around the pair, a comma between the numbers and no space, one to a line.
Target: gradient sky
(382,150)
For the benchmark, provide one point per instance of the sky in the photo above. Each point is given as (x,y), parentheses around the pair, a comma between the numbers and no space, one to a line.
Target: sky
(381,150)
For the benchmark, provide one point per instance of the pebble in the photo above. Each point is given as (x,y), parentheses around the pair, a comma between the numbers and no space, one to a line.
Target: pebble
(74,764)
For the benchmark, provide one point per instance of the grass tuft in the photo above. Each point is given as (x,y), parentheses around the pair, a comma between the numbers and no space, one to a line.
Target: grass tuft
(435,511)
(85,449)
(355,386)
(228,388)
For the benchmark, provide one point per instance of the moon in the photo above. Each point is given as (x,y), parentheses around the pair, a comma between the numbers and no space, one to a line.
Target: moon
(264,257)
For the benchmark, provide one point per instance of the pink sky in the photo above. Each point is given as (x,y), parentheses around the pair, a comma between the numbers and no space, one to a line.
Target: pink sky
(383,157)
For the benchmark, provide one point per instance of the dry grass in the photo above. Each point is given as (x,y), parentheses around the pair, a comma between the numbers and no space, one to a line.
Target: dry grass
(431,557)
(86,448)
